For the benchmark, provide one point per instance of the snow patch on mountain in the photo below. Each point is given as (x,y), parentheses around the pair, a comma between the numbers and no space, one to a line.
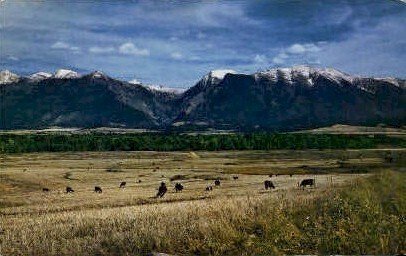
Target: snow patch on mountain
(221,73)
(161,88)
(66,74)
(389,80)
(98,74)
(304,74)
(135,81)
(7,77)
(335,75)
(39,76)
(216,76)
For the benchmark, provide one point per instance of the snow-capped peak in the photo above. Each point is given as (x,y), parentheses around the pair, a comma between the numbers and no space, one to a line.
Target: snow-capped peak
(221,73)
(336,75)
(40,76)
(98,74)
(216,76)
(65,74)
(161,88)
(304,73)
(7,77)
(134,81)
(391,80)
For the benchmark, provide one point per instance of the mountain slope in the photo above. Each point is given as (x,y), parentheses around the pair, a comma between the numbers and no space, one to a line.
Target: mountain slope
(290,99)
(89,101)
(278,99)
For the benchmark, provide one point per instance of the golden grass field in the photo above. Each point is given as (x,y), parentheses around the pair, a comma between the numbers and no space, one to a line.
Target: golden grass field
(239,217)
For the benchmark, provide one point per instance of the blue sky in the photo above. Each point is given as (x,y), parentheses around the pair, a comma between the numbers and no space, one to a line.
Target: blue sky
(174,44)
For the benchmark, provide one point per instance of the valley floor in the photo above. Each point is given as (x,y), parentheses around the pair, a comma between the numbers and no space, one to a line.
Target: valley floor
(358,196)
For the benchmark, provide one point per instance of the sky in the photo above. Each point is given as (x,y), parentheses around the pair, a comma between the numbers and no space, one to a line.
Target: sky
(175,43)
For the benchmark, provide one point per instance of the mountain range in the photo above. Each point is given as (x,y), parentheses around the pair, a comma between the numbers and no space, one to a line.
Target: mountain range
(280,99)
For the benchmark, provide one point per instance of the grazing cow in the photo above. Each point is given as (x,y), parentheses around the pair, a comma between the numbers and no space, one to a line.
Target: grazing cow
(45,189)
(388,159)
(69,190)
(291,175)
(268,184)
(122,184)
(209,188)
(217,182)
(178,187)
(235,177)
(307,182)
(98,189)
(161,190)
(270,175)
(139,181)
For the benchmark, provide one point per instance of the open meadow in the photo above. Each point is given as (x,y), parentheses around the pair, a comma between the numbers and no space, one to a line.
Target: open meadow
(239,216)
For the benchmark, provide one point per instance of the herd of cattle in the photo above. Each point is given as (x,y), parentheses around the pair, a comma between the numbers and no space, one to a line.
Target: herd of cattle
(162,189)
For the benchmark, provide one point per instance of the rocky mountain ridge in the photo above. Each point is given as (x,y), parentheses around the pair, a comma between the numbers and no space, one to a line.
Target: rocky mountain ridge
(280,99)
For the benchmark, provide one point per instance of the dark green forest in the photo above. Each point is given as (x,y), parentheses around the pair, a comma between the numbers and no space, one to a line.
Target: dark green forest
(12,143)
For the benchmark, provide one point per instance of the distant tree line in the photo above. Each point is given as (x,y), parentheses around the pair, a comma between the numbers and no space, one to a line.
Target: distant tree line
(12,143)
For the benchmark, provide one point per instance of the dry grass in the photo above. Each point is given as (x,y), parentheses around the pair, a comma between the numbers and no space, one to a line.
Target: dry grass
(239,218)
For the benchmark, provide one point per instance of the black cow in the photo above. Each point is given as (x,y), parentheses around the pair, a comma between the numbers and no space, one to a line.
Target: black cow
(209,188)
(178,187)
(98,189)
(270,175)
(139,181)
(268,184)
(69,190)
(389,159)
(235,177)
(217,182)
(161,190)
(45,189)
(307,182)
(122,184)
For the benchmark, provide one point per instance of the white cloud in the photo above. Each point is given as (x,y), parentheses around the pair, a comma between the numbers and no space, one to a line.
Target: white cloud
(280,58)
(176,55)
(303,48)
(98,49)
(200,35)
(301,53)
(13,58)
(131,49)
(64,46)
(60,45)
(260,59)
